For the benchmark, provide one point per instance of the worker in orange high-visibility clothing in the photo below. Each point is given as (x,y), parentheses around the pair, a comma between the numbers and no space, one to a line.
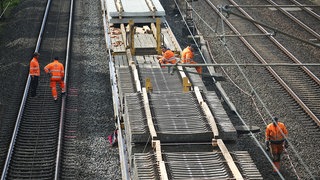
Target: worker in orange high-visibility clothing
(276,139)
(168,57)
(187,56)
(56,70)
(34,73)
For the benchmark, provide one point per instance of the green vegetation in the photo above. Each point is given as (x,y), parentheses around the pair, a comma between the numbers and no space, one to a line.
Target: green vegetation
(9,4)
(5,9)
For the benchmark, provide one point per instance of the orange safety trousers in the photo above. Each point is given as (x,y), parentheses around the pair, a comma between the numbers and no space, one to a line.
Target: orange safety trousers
(198,68)
(53,85)
(276,150)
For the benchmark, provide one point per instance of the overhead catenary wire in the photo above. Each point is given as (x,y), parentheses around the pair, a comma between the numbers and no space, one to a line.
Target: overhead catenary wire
(237,113)
(253,90)
(241,64)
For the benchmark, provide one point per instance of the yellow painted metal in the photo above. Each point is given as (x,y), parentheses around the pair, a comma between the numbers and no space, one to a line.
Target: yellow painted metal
(149,87)
(186,84)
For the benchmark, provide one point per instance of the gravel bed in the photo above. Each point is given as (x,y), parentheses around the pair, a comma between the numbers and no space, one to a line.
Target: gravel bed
(303,144)
(95,158)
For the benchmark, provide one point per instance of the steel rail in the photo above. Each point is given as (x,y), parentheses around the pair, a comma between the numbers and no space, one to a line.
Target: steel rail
(259,57)
(307,28)
(289,90)
(316,79)
(24,98)
(268,6)
(228,11)
(242,64)
(63,103)
(292,94)
(262,60)
(307,9)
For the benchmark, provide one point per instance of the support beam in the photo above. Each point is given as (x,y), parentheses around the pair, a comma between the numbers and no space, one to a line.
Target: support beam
(233,167)
(152,130)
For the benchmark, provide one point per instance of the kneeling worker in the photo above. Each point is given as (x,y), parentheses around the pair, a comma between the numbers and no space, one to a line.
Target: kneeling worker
(276,134)
(56,70)
(168,57)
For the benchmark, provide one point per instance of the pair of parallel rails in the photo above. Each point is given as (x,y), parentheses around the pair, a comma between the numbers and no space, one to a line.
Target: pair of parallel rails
(36,147)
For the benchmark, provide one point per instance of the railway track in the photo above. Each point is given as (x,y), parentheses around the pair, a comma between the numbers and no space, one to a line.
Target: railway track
(158,150)
(35,148)
(299,86)
(245,25)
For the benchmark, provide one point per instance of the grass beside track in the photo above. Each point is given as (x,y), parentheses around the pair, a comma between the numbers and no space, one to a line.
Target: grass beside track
(5,9)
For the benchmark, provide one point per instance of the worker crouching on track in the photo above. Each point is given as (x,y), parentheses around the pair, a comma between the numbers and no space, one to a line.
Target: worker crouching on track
(168,57)
(56,70)
(276,134)
(187,56)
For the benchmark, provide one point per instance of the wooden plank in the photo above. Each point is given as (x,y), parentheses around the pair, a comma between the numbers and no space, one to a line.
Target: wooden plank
(167,40)
(207,112)
(162,167)
(235,171)
(152,130)
(144,41)
(140,60)
(154,29)
(124,34)
(134,71)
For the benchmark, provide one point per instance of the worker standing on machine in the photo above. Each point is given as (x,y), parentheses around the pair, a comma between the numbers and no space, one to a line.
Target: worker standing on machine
(34,73)
(276,134)
(187,56)
(56,70)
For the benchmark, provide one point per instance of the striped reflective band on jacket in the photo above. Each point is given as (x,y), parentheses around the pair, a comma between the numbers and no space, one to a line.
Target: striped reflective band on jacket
(56,77)
(56,70)
(170,59)
(34,71)
(53,70)
(187,60)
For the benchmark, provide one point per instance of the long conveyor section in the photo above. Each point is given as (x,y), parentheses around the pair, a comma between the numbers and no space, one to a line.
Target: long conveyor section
(170,126)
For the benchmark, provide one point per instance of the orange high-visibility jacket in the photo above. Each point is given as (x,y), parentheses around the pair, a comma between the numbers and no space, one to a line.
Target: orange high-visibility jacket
(56,69)
(34,67)
(168,57)
(187,55)
(273,133)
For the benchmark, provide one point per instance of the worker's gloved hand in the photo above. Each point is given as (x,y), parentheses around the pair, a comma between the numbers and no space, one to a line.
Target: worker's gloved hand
(286,144)
(267,145)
